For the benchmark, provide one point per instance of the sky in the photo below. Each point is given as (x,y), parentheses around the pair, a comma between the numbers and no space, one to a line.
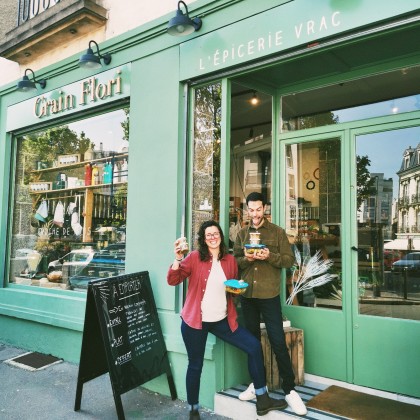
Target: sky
(105,128)
(385,149)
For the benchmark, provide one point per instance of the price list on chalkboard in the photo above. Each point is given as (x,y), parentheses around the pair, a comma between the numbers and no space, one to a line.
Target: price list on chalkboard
(123,309)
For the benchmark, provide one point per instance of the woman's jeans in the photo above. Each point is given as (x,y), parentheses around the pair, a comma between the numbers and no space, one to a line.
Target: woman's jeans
(270,309)
(195,343)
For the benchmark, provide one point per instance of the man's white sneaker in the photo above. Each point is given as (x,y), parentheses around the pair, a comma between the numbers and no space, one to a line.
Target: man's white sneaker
(248,394)
(296,404)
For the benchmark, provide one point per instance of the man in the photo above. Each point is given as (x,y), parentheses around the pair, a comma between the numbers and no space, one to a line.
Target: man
(262,271)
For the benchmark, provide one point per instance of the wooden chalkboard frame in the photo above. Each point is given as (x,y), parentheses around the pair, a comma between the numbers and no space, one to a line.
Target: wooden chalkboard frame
(122,336)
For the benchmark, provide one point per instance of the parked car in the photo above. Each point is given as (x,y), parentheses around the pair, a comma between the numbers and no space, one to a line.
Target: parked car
(410,262)
(107,262)
(73,262)
(117,248)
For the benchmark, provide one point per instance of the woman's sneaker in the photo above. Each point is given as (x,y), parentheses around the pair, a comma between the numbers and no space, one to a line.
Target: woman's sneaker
(248,394)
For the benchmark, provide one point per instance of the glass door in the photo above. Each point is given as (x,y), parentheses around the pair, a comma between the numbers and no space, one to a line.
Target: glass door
(387,315)
(314,225)
(313,218)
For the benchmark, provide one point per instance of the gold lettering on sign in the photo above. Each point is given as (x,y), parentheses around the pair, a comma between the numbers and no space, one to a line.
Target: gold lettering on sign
(90,91)
(44,107)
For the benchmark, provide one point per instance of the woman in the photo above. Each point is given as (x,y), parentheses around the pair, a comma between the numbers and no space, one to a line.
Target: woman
(208,308)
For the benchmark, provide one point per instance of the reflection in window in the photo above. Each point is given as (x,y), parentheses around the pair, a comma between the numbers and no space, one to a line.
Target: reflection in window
(378,95)
(313,220)
(250,154)
(206,155)
(70,203)
(389,239)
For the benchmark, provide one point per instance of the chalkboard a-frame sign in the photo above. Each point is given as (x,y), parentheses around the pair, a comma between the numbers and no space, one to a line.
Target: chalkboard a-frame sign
(122,336)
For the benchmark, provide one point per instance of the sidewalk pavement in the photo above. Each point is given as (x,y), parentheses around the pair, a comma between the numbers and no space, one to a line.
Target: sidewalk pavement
(49,394)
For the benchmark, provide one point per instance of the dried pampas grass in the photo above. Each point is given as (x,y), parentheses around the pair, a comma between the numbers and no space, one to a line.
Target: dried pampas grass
(310,274)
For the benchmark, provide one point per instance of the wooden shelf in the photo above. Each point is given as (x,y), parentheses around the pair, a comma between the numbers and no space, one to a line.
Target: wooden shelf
(82,187)
(61,168)
(85,191)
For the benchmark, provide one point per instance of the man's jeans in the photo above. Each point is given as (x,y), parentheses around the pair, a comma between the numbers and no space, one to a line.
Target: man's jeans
(195,343)
(270,309)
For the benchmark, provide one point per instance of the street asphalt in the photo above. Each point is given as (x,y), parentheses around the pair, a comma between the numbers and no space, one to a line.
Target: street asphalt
(49,394)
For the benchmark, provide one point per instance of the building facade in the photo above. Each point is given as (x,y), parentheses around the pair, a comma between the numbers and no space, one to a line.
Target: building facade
(104,168)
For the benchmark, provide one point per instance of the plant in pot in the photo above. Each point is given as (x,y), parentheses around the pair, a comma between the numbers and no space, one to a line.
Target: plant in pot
(376,284)
(50,250)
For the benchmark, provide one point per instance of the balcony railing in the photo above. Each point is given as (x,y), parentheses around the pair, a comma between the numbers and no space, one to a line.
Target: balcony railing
(404,201)
(28,9)
(415,199)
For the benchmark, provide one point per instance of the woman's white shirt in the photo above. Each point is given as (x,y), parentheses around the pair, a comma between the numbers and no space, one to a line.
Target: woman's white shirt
(214,303)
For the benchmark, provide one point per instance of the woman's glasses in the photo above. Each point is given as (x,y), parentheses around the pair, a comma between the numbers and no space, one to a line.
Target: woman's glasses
(212,235)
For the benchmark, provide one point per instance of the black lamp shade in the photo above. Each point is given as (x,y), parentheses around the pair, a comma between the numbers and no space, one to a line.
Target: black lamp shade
(26,85)
(180,25)
(90,60)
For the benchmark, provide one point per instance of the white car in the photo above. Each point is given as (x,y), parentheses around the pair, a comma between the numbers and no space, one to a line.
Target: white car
(73,262)
(23,253)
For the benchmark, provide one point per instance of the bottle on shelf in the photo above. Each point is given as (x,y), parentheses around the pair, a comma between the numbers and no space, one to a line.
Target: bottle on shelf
(105,173)
(108,173)
(124,171)
(95,175)
(116,172)
(88,174)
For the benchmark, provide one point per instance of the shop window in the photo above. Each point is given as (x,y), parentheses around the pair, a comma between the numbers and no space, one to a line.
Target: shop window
(206,155)
(388,243)
(68,224)
(251,140)
(378,95)
(313,217)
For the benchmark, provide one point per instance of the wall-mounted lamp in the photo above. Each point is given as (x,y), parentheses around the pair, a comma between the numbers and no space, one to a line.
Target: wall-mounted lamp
(92,61)
(182,24)
(254,100)
(27,85)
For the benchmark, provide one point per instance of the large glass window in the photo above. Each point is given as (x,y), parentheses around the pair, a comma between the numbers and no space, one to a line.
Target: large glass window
(251,164)
(206,155)
(70,199)
(388,235)
(389,93)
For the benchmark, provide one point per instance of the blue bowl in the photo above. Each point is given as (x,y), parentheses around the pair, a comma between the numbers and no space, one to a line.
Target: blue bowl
(235,286)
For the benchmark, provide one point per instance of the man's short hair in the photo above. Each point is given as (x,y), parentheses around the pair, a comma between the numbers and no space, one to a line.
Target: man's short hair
(255,196)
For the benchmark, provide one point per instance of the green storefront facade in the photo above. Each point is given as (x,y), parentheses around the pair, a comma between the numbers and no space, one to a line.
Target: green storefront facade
(339,82)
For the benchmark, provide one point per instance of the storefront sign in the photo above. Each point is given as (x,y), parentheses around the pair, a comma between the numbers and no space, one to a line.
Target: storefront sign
(108,86)
(296,23)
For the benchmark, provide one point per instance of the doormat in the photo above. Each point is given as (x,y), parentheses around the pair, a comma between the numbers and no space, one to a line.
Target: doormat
(359,406)
(33,361)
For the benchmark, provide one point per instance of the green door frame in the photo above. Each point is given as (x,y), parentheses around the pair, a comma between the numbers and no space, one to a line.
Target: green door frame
(384,348)
(328,351)
(327,337)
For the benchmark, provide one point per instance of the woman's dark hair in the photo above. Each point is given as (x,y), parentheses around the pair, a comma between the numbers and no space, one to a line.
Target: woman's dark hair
(202,246)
